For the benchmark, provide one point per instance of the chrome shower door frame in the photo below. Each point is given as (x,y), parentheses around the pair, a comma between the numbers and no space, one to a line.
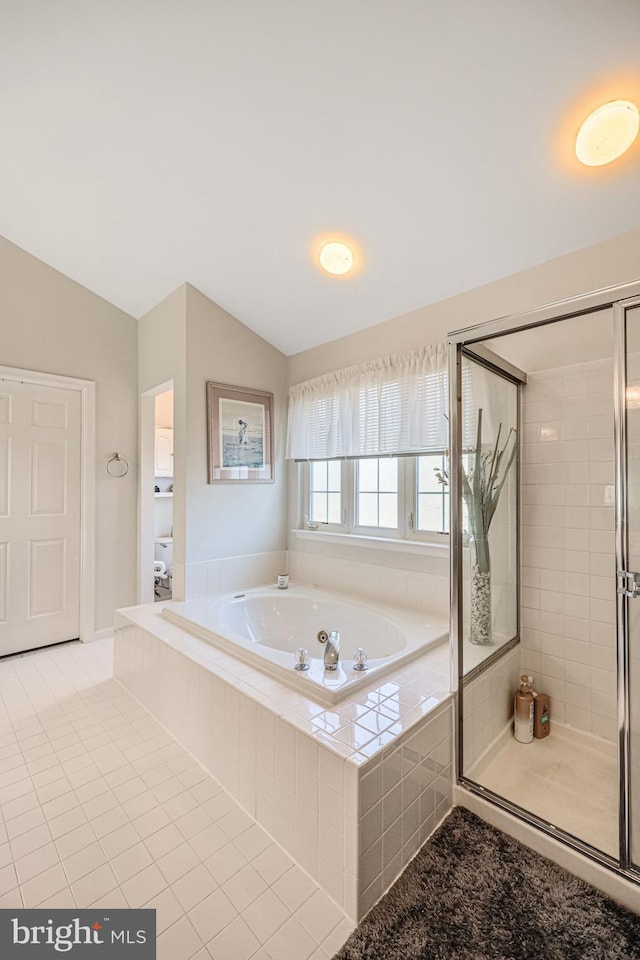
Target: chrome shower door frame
(623,632)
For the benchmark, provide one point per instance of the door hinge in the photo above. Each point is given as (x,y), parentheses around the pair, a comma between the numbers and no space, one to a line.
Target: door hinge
(628,584)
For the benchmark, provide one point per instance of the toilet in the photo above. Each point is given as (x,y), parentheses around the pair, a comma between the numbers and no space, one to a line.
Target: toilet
(163,571)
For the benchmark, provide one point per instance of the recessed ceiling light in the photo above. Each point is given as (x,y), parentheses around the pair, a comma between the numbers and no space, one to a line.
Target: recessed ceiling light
(607,133)
(336,258)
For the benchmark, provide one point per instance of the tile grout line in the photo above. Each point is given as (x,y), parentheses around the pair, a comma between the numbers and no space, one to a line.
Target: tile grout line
(121,718)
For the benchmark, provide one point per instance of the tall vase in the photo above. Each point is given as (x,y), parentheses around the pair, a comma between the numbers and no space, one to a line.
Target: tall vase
(480,631)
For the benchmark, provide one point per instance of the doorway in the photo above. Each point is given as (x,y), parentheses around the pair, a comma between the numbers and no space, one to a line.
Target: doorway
(155,574)
(163,497)
(46,509)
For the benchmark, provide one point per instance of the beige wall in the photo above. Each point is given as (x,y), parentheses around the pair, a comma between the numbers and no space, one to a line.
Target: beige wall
(188,339)
(51,324)
(162,357)
(226,520)
(162,341)
(604,264)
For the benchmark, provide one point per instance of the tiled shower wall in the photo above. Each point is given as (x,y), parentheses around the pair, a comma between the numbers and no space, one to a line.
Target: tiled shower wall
(568,562)
(487,705)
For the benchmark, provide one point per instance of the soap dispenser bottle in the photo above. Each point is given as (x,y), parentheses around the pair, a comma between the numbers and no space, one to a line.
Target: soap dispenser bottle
(523,710)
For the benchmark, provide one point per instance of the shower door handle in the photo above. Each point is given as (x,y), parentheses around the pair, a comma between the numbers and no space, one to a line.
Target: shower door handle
(628,584)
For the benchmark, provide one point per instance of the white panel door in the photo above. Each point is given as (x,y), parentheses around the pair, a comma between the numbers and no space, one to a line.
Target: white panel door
(164,452)
(40,432)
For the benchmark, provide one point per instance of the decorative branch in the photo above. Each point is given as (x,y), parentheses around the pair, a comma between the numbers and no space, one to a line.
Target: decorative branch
(482,486)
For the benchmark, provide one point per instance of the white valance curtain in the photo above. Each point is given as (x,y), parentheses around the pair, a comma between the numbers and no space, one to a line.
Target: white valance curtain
(394,405)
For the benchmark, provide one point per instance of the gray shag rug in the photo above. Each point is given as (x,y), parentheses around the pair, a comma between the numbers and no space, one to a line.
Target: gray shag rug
(473,893)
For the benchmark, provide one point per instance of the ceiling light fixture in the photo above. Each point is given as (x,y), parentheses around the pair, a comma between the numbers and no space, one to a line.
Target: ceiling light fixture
(336,258)
(607,133)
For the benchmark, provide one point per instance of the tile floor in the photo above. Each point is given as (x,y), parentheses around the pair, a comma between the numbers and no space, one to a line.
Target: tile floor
(99,805)
(570,779)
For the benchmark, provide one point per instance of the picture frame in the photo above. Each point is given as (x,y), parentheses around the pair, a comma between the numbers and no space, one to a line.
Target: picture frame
(239,434)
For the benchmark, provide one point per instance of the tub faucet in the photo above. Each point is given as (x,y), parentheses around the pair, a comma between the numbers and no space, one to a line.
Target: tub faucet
(332,651)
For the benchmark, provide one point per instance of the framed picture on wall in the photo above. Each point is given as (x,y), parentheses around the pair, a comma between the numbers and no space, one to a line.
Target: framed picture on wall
(239,434)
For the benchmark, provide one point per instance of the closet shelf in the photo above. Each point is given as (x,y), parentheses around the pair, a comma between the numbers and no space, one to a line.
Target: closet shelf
(163,494)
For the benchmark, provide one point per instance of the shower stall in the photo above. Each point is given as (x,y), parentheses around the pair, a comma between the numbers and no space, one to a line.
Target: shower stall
(545,565)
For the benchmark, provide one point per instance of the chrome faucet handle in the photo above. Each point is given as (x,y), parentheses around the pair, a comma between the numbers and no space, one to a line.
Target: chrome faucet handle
(360,658)
(301,657)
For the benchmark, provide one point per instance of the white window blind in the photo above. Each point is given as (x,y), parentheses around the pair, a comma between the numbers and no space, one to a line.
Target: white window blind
(394,405)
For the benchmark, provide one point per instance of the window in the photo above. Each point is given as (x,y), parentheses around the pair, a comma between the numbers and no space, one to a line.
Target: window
(370,438)
(395,497)
(325,496)
(377,493)
(432,507)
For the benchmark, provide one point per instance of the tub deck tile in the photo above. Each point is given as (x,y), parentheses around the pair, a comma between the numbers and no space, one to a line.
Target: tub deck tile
(275,749)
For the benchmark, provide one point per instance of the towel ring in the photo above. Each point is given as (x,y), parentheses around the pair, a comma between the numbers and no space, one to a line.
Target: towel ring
(119,471)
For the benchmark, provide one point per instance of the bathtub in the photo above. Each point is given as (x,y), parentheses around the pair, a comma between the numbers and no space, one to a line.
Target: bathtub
(266,626)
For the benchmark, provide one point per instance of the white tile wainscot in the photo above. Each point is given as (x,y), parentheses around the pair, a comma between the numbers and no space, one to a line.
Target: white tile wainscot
(487,705)
(351,791)
(227,574)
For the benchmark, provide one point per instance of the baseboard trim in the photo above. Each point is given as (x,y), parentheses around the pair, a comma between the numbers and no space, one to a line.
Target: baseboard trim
(103,634)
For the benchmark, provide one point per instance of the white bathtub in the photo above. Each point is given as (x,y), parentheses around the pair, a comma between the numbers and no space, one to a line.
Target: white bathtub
(266,626)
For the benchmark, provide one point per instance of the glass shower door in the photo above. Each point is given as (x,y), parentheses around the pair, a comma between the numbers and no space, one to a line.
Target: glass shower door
(567,565)
(489,475)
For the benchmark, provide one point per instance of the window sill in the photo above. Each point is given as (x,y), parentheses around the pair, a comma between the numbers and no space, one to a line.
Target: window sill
(422,547)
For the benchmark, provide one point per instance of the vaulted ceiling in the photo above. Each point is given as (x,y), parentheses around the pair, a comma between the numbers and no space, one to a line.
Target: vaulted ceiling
(150,142)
